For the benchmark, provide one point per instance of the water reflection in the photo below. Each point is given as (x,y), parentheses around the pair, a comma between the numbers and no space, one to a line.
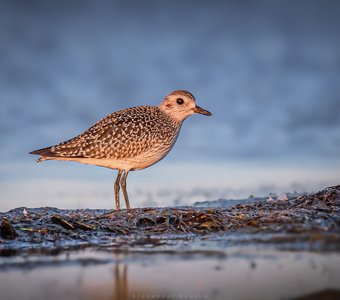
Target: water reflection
(120,280)
(119,284)
(131,275)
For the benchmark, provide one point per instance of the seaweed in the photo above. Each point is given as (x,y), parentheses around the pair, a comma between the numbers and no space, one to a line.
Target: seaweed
(316,216)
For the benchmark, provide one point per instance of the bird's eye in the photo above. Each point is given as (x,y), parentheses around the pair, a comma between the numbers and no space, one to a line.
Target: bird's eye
(180,101)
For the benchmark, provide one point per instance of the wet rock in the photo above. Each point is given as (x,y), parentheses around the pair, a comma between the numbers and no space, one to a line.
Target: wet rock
(7,231)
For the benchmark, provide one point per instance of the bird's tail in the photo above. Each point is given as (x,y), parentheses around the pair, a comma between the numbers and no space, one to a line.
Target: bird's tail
(45,153)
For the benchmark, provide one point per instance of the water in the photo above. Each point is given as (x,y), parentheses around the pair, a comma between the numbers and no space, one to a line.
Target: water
(68,185)
(232,273)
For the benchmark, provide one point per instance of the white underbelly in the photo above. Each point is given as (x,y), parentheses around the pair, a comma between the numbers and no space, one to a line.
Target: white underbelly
(136,163)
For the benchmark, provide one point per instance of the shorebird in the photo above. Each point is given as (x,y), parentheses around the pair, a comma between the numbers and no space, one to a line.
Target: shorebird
(128,140)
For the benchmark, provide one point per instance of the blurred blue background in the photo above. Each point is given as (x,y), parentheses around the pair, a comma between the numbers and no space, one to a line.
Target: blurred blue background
(268,70)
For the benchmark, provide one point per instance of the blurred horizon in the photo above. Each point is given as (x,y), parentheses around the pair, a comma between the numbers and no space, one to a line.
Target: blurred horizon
(268,70)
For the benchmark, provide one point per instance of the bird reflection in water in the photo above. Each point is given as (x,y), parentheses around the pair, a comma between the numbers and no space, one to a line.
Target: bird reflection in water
(117,285)
(120,280)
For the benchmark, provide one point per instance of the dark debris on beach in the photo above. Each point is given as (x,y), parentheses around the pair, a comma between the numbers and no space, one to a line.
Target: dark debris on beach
(319,214)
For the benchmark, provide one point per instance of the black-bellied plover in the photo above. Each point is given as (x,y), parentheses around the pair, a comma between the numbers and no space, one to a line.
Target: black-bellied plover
(128,140)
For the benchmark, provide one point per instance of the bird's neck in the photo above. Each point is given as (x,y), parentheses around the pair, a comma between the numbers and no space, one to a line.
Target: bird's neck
(175,118)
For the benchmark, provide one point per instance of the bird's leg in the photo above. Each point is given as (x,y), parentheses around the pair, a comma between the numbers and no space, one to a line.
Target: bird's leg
(117,187)
(123,184)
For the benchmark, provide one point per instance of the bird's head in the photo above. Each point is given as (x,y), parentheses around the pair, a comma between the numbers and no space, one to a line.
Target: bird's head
(180,105)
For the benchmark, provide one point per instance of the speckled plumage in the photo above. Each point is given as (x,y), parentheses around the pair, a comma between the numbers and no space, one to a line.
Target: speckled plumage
(129,139)
(130,134)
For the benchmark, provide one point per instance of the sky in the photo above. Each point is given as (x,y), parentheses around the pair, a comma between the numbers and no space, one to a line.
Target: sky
(268,70)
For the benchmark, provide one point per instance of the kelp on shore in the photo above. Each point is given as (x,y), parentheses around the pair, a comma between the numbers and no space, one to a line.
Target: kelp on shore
(316,214)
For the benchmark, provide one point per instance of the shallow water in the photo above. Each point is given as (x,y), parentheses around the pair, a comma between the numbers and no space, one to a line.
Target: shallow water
(71,185)
(220,273)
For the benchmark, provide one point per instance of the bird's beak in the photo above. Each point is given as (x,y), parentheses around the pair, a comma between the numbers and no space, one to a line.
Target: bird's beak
(202,111)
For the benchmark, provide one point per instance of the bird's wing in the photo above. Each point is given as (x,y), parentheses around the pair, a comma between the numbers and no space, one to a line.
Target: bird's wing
(120,135)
